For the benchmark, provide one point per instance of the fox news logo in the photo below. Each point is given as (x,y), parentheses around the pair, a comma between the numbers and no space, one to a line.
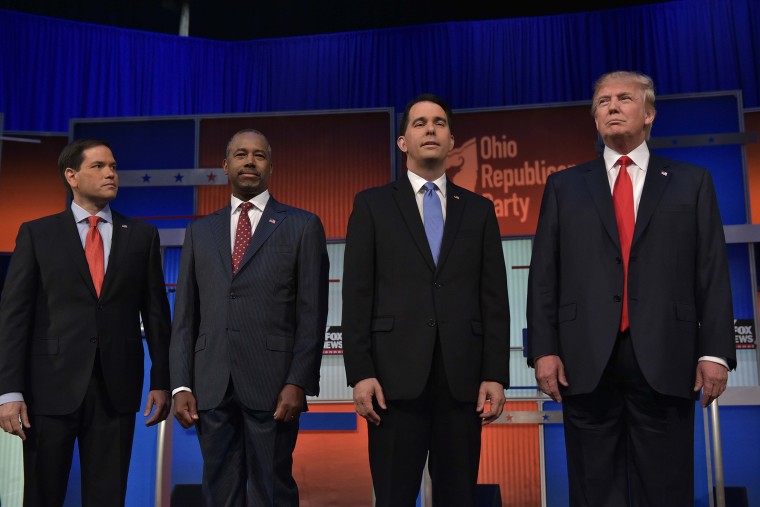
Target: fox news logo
(744,333)
(333,341)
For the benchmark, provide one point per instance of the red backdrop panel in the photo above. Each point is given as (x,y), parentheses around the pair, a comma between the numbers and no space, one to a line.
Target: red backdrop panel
(319,161)
(30,186)
(506,156)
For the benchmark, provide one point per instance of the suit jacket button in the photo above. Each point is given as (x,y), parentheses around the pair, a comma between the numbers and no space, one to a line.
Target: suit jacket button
(616,299)
(431,322)
(232,296)
(437,285)
(93,340)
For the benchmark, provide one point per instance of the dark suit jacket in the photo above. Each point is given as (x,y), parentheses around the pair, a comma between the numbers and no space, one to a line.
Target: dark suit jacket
(265,326)
(679,289)
(395,301)
(52,322)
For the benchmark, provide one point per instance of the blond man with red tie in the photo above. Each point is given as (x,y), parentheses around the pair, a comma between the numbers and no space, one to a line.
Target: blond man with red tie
(71,348)
(629,307)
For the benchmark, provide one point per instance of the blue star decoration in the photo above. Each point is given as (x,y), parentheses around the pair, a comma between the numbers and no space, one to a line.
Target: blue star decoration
(178,178)
(146,178)
(545,416)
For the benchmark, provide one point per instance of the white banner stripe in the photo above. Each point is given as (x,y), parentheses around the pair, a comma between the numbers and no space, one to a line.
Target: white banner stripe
(172,177)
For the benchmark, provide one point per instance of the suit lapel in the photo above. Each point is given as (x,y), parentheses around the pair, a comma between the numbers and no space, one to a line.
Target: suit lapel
(656,180)
(407,205)
(220,231)
(599,186)
(119,241)
(72,243)
(455,206)
(273,216)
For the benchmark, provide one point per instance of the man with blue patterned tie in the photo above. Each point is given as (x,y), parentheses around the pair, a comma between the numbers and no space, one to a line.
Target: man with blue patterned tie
(425,319)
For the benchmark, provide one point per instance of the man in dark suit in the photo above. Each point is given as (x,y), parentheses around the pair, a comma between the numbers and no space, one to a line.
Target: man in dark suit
(249,327)
(71,366)
(425,322)
(628,365)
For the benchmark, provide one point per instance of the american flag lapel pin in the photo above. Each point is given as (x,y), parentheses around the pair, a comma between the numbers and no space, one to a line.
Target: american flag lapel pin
(456,197)
(124,226)
(272,221)
(664,173)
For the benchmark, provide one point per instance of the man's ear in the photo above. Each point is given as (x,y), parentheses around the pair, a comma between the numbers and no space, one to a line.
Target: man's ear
(71,177)
(401,143)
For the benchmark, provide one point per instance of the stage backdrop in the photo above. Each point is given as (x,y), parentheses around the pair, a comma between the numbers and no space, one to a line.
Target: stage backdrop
(170,170)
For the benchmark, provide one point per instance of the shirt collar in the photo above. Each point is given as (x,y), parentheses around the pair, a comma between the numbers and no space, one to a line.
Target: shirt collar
(639,156)
(259,202)
(418,181)
(81,214)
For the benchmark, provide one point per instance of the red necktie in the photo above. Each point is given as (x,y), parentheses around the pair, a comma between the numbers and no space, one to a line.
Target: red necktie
(242,236)
(93,250)
(622,197)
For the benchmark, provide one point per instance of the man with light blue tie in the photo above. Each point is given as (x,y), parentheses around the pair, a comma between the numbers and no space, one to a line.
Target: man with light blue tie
(425,319)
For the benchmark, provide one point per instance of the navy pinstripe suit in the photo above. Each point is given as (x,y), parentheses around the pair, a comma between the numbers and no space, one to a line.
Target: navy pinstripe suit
(237,340)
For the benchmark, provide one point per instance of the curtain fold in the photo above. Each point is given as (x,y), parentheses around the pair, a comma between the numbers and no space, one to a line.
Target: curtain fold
(53,70)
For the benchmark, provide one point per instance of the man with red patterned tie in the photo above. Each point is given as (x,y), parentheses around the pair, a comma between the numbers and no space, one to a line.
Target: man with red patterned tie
(71,350)
(629,307)
(249,325)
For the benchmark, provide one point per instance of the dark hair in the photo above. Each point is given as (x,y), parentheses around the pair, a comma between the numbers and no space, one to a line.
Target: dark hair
(247,131)
(72,156)
(426,97)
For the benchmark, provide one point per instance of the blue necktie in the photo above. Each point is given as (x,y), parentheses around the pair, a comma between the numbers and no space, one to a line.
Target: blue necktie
(433,218)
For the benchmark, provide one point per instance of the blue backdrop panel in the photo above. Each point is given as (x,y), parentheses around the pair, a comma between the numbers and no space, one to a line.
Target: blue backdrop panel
(697,114)
(171,271)
(700,115)
(741,281)
(713,115)
(149,144)
(725,164)
(164,207)
(328,421)
(187,463)
(741,442)
(555,460)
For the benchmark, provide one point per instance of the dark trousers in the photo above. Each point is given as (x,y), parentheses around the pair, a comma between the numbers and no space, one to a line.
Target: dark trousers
(628,445)
(105,448)
(433,427)
(247,456)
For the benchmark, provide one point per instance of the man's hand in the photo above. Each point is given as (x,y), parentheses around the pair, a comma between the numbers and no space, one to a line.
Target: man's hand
(493,392)
(364,391)
(550,373)
(711,378)
(14,418)
(185,408)
(159,399)
(290,403)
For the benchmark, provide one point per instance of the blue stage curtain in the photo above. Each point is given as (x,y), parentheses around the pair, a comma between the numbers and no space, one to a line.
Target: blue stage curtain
(53,70)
